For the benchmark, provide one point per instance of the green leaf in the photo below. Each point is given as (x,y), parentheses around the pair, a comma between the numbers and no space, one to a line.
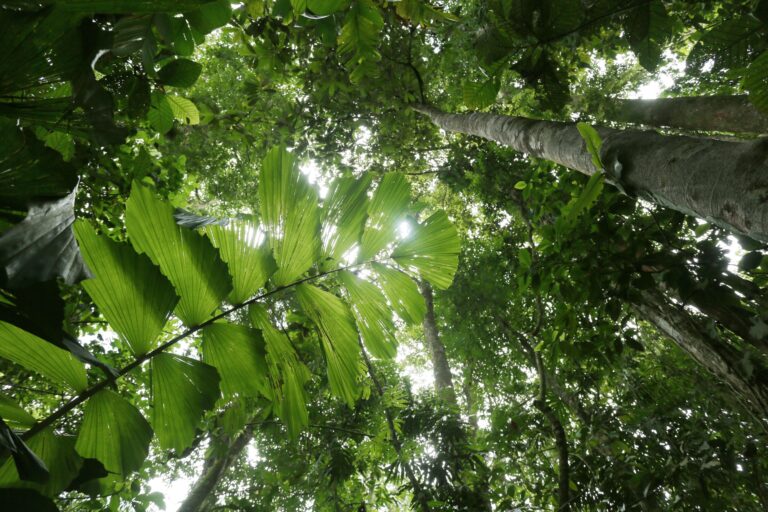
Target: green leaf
(386,211)
(183,389)
(39,356)
(343,217)
(372,315)
(326,7)
(114,432)
(402,293)
(15,415)
(185,257)
(520,185)
(287,375)
(593,142)
(42,247)
(210,16)
(290,215)
(359,38)
(180,73)
(750,261)
(57,453)
(131,293)
(237,352)
(339,339)
(756,82)
(183,109)
(248,258)
(588,196)
(431,250)
(160,115)
(62,143)
(480,94)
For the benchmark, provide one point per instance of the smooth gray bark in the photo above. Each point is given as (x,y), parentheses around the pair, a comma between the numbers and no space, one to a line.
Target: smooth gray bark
(440,367)
(704,113)
(748,379)
(725,183)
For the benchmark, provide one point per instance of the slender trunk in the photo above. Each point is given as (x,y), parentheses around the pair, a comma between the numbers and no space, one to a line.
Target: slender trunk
(748,379)
(469,395)
(722,182)
(201,497)
(707,113)
(440,367)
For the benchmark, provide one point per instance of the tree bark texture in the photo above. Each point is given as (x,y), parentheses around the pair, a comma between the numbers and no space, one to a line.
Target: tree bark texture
(706,113)
(725,183)
(442,370)
(201,497)
(726,362)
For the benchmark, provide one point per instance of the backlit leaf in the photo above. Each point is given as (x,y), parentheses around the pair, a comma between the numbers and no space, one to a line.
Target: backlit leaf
(339,339)
(372,315)
(385,213)
(290,215)
(114,432)
(431,250)
(402,293)
(343,217)
(183,389)
(237,352)
(185,257)
(131,293)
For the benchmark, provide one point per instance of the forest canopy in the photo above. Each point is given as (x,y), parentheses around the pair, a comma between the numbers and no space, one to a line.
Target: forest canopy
(353,255)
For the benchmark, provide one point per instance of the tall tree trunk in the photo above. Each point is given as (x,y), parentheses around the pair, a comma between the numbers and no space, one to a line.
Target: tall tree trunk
(707,113)
(748,379)
(201,497)
(723,182)
(440,367)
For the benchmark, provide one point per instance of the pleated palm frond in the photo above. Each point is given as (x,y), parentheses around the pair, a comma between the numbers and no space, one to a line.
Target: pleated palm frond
(386,211)
(185,257)
(343,218)
(289,210)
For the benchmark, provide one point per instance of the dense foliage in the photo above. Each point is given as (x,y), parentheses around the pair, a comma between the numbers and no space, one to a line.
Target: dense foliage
(236,238)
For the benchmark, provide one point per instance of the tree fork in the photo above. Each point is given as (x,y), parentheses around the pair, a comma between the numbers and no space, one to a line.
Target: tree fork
(725,183)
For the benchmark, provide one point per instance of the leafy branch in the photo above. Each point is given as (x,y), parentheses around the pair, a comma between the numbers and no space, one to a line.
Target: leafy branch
(102,384)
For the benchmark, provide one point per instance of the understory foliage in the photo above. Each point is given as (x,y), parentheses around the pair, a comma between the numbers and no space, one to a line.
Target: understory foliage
(232,253)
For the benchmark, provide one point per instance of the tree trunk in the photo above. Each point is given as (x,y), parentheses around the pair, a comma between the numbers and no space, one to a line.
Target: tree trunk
(442,370)
(707,113)
(748,379)
(725,183)
(201,497)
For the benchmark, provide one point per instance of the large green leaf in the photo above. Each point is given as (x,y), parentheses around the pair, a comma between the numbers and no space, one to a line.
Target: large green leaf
(114,432)
(42,247)
(58,454)
(386,211)
(41,357)
(339,339)
(13,414)
(402,293)
(180,73)
(28,465)
(343,217)
(359,38)
(131,293)
(290,215)
(160,115)
(185,257)
(287,375)
(248,258)
(237,352)
(431,250)
(183,109)
(372,314)
(183,389)
(210,16)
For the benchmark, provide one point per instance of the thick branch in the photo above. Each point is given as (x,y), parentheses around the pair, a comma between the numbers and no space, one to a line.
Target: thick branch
(706,113)
(722,182)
